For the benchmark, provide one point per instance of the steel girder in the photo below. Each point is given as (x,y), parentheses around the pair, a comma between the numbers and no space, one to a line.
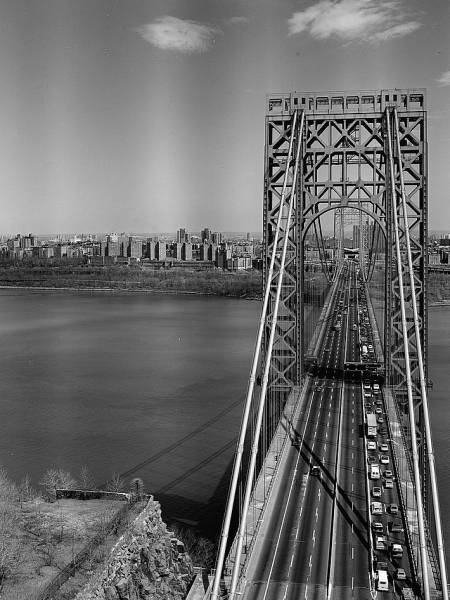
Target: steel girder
(285,366)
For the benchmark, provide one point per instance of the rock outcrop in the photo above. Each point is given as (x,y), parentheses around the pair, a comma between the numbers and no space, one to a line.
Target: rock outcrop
(146,563)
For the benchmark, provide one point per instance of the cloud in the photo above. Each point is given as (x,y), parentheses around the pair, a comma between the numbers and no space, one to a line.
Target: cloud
(444,79)
(350,20)
(170,33)
(237,20)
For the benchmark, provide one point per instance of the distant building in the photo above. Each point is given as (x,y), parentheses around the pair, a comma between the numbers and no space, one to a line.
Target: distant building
(186,251)
(223,256)
(134,249)
(161,250)
(60,251)
(112,248)
(212,252)
(182,236)
(217,238)
(151,250)
(176,250)
(206,235)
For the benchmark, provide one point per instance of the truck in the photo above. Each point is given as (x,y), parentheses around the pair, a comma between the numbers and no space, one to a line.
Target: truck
(374,472)
(382,581)
(371,425)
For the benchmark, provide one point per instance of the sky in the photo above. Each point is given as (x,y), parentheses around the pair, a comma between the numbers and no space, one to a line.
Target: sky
(148,115)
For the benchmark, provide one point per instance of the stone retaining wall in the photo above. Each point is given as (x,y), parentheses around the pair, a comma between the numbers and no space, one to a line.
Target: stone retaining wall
(146,563)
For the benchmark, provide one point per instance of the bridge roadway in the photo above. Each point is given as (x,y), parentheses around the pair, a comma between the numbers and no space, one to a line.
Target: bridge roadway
(317,541)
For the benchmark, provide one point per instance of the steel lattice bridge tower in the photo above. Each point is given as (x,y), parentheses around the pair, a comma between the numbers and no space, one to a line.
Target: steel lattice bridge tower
(329,158)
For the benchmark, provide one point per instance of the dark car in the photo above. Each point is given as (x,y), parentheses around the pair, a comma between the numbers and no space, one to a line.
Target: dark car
(316,471)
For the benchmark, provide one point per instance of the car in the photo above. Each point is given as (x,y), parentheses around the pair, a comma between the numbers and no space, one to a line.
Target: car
(400,574)
(370,347)
(372,460)
(382,565)
(376,492)
(315,471)
(384,459)
(393,509)
(376,386)
(371,445)
(377,526)
(384,447)
(379,411)
(376,508)
(388,474)
(388,483)
(380,420)
(380,542)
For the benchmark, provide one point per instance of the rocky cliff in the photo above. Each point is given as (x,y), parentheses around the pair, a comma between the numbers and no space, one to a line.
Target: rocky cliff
(146,563)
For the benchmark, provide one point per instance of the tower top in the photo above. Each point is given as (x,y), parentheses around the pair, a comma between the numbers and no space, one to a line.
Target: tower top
(367,101)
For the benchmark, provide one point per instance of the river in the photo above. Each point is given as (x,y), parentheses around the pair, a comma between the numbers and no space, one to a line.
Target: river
(147,385)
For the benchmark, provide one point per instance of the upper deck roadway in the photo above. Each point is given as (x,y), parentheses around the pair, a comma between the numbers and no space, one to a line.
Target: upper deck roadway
(317,542)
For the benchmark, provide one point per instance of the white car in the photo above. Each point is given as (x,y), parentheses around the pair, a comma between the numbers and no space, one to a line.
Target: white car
(384,459)
(388,483)
(376,508)
(384,448)
(371,445)
(376,492)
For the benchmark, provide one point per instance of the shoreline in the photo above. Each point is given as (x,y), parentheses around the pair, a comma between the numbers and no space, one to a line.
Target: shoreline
(108,290)
(156,291)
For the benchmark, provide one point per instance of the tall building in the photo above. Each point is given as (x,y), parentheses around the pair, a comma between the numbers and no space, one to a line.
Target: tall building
(112,249)
(151,249)
(176,250)
(217,238)
(182,236)
(186,251)
(206,235)
(134,249)
(161,250)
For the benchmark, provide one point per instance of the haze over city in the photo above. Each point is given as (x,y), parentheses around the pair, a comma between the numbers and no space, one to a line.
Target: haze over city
(144,116)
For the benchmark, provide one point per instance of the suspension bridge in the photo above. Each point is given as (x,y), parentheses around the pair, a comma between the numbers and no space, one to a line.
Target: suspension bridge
(333,493)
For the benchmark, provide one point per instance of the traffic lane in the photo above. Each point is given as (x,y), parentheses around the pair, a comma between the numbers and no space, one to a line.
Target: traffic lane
(319,504)
(274,562)
(300,529)
(267,558)
(352,563)
(319,567)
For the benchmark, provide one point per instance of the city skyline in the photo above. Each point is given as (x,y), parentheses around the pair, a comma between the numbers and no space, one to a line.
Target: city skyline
(140,116)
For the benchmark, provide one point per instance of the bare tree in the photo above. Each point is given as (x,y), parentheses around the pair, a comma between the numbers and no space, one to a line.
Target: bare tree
(56,478)
(87,481)
(115,484)
(25,490)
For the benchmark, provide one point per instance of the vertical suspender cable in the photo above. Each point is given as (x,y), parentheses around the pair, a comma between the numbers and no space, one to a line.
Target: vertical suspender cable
(251,384)
(255,445)
(412,424)
(423,386)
